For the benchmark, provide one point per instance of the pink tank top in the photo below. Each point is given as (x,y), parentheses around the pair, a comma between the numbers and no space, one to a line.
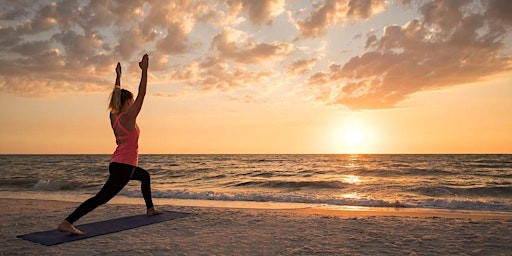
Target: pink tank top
(127,151)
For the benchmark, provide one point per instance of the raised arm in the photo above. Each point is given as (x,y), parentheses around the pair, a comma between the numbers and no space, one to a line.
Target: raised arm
(118,75)
(135,108)
(115,98)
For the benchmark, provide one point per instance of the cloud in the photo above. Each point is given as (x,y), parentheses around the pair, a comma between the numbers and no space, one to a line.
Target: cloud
(23,76)
(237,45)
(333,12)
(166,95)
(440,51)
(264,10)
(175,42)
(73,46)
(84,39)
(499,10)
(301,66)
(15,10)
(9,37)
(78,46)
(128,41)
(234,12)
(211,13)
(214,74)
(32,48)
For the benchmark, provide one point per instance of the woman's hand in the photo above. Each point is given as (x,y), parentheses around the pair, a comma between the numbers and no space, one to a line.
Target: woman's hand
(118,68)
(144,63)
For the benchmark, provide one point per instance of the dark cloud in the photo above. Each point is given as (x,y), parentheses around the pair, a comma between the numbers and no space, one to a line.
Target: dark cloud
(499,10)
(32,48)
(15,10)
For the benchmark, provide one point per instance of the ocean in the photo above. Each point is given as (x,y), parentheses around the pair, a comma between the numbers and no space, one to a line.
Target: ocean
(453,182)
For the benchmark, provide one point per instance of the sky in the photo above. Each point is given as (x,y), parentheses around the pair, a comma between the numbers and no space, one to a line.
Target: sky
(262,77)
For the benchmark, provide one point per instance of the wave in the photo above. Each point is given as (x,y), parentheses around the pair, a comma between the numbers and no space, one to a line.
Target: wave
(42,184)
(293,184)
(494,191)
(265,160)
(412,172)
(49,185)
(17,182)
(261,197)
(311,199)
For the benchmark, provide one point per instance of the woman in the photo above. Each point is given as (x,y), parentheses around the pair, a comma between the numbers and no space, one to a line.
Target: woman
(124,163)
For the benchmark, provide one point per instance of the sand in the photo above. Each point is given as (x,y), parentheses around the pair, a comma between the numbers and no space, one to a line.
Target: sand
(230,231)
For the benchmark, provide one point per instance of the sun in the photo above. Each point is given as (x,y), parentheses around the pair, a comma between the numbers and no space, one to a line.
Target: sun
(351,137)
(354,137)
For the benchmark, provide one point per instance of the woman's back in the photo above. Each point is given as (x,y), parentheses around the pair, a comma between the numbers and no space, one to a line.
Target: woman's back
(127,141)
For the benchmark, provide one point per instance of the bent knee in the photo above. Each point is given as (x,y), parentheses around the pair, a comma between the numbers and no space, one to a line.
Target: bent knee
(143,175)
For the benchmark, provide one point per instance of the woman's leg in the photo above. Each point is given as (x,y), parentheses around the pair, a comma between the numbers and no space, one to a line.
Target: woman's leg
(119,177)
(145,185)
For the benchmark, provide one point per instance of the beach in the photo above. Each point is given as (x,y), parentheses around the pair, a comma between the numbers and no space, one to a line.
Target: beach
(237,231)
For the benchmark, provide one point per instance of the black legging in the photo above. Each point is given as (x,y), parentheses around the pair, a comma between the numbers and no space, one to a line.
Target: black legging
(120,174)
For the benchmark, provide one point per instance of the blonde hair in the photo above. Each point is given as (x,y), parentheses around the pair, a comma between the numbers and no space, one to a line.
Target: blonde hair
(118,98)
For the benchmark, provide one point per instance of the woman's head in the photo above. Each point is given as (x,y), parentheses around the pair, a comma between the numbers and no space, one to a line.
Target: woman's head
(118,99)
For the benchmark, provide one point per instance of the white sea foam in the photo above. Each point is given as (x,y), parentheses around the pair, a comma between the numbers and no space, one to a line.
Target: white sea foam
(306,198)
(49,185)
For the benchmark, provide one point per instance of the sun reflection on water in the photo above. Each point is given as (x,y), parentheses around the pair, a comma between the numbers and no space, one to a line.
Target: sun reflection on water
(352,195)
(352,179)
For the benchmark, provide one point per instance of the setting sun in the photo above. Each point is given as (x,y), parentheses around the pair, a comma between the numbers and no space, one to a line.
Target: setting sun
(354,137)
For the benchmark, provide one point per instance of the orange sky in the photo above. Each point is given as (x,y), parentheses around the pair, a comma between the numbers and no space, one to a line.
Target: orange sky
(266,76)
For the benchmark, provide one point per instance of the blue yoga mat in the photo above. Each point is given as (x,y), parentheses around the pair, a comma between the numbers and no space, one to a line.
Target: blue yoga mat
(53,237)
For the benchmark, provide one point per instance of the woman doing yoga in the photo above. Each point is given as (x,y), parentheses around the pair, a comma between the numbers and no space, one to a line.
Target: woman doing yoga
(124,163)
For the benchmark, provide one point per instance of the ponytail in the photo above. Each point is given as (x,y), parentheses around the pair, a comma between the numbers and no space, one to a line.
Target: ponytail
(118,97)
(115,100)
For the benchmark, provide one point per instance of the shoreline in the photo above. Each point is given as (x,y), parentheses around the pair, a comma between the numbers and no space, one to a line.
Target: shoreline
(302,208)
(297,208)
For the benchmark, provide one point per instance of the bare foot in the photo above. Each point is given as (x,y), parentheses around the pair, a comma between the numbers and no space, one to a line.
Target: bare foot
(68,227)
(153,211)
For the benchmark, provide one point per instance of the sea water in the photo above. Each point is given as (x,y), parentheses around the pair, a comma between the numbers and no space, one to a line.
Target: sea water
(459,182)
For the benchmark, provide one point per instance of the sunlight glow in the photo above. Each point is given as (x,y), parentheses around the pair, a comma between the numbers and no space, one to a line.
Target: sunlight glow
(354,136)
